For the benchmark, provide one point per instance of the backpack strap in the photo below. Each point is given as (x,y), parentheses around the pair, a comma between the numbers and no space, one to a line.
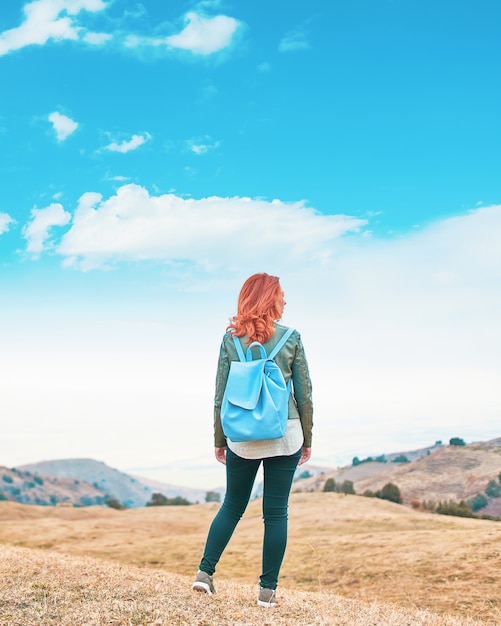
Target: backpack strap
(238,346)
(282,341)
(277,349)
(272,354)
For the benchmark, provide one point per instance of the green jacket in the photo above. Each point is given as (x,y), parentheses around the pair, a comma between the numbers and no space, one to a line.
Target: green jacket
(291,360)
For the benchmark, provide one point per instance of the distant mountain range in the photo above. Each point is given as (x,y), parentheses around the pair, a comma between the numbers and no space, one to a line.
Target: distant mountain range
(83,482)
(436,473)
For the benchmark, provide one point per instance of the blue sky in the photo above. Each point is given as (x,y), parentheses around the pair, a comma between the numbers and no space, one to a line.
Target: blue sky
(153,155)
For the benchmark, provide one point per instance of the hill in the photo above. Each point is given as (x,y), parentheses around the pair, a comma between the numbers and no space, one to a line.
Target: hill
(97,482)
(436,473)
(50,590)
(29,487)
(362,548)
(131,491)
(446,473)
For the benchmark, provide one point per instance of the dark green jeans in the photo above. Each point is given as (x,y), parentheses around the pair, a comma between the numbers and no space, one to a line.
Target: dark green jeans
(240,475)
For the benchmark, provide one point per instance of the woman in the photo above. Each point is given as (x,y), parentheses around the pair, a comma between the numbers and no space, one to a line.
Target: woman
(260,304)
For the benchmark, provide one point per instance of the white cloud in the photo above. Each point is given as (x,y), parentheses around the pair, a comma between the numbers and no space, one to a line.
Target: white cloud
(131,144)
(118,178)
(293,40)
(209,233)
(44,21)
(63,125)
(36,232)
(211,5)
(5,221)
(447,263)
(97,39)
(58,20)
(203,146)
(133,41)
(204,35)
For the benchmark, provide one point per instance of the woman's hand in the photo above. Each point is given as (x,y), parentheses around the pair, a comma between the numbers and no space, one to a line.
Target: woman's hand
(305,456)
(220,455)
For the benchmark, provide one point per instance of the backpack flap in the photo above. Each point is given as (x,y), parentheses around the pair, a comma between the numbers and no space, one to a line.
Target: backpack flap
(244,383)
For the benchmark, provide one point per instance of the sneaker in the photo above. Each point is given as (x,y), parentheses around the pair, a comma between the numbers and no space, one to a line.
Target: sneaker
(204,583)
(267,597)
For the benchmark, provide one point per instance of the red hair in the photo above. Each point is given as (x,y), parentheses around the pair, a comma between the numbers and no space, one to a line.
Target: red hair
(258,308)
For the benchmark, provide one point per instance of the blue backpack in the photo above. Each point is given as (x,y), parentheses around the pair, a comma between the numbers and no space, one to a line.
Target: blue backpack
(256,398)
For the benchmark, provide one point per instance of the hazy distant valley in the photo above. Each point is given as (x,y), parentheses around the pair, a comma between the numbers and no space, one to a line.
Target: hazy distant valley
(439,472)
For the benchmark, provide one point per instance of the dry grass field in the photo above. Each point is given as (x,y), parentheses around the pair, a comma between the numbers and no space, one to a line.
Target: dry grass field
(44,588)
(345,554)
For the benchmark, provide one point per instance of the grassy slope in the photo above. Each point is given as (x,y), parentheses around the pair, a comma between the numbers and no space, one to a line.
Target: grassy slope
(359,547)
(448,473)
(44,588)
(22,486)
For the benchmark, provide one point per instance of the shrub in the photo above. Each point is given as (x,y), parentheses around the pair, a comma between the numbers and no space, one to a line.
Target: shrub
(330,485)
(158,499)
(390,492)
(38,480)
(460,509)
(3,497)
(478,502)
(401,458)
(347,487)
(113,503)
(369,459)
(213,496)
(7,478)
(456,441)
(90,501)
(493,489)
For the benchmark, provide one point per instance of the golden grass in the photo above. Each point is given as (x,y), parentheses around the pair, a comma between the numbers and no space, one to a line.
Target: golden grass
(363,548)
(44,588)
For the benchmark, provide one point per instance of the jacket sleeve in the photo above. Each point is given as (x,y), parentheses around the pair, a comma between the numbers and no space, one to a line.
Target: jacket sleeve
(223,369)
(303,392)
